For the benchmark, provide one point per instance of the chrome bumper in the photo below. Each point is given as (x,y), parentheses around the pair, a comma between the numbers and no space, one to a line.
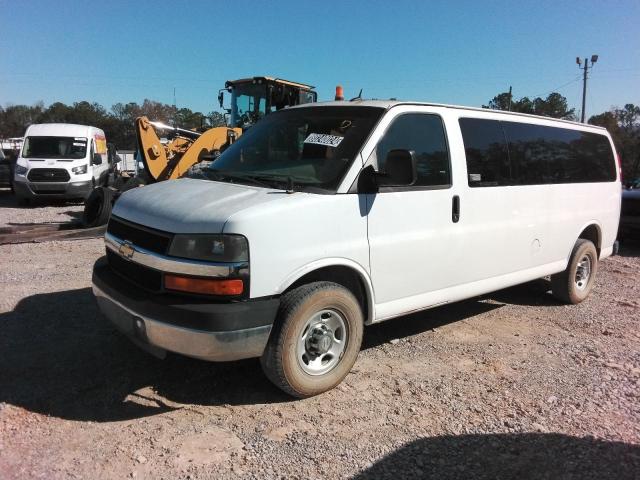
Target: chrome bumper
(161,337)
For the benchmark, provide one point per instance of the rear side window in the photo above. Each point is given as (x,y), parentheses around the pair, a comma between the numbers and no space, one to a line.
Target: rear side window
(512,153)
(548,155)
(424,134)
(486,151)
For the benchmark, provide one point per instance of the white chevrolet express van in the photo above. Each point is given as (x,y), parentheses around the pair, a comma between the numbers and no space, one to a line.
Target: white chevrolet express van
(324,218)
(60,160)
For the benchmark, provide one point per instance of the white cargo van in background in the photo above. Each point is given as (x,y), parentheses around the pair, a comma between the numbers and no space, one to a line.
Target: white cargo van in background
(61,161)
(324,218)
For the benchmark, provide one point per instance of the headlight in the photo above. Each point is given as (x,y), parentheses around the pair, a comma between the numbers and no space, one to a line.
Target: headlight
(20,170)
(80,170)
(212,248)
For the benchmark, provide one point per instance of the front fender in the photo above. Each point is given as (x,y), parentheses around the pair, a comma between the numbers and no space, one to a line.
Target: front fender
(300,272)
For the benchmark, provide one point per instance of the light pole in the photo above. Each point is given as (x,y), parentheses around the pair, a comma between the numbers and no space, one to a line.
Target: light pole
(594,59)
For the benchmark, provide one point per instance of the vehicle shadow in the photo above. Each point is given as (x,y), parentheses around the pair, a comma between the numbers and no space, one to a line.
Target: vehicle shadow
(7,198)
(423,321)
(60,357)
(630,248)
(75,215)
(508,456)
(536,293)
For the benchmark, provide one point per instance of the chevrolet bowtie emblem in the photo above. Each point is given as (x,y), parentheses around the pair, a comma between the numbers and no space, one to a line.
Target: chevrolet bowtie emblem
(126,250)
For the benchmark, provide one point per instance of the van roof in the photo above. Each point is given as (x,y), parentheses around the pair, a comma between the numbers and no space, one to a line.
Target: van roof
(387,104)
(60,129)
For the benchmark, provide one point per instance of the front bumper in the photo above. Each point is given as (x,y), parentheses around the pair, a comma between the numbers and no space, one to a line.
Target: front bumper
(58,190)
(185,325)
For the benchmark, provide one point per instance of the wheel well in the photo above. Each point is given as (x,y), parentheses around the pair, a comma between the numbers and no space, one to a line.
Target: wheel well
(345,276)
(592,233)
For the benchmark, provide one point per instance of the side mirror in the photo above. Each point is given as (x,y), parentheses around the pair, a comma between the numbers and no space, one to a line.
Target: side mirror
(400,169)
(97,159)
(221,99)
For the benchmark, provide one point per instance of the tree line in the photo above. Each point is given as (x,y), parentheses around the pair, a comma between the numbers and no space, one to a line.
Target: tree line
(622,123)
(118,123)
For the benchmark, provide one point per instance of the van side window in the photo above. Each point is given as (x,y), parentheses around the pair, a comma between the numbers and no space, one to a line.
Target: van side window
(424,134)
(548,155)
(486,151)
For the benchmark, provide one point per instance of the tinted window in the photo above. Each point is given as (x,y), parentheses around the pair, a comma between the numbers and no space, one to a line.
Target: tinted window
(308,147)
(486,151)
(55,147)
(541,154)
(424,134)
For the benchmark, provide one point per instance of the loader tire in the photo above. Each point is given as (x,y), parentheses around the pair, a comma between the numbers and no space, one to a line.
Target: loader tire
(97,207)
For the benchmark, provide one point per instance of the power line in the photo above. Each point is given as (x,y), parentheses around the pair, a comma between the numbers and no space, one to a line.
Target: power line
(574,80)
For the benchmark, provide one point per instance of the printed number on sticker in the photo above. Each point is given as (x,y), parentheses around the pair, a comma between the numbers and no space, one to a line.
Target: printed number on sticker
(323,139)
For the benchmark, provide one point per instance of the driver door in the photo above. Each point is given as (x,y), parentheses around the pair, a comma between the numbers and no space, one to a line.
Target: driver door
(415,243)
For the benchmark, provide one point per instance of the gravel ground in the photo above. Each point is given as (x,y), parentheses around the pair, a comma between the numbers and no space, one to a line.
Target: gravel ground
(39,212)
(510,385)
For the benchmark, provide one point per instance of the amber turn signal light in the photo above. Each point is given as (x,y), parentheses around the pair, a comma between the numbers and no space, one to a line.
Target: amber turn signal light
(206,286)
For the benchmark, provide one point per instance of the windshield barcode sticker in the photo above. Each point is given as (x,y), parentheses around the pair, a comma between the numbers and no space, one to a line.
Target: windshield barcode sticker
(323,139)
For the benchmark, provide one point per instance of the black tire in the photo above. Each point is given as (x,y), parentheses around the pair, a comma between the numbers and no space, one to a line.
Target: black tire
(97,207)
(566,286)
(280,360)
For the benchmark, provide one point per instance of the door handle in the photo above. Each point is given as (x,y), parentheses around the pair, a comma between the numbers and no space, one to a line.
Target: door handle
(455,209)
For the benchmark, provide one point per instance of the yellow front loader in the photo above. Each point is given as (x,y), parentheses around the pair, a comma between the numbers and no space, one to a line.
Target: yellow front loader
(183,148)
(251,99)
(168,152)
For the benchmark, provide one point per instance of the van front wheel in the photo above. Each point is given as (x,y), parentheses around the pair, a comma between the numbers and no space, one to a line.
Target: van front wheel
(315,340)
(575,283)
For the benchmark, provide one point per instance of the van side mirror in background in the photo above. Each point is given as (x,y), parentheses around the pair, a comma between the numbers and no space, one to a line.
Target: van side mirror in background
(400,171)
(97,159)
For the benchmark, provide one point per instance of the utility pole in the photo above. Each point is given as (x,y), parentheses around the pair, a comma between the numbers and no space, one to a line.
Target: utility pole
(594,59)
(510,97)
(175,109)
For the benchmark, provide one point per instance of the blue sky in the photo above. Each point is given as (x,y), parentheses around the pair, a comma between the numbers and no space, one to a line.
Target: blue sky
(451,52)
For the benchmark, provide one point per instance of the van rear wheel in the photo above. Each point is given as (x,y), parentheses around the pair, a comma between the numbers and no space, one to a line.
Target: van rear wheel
(575,283)
(315,340)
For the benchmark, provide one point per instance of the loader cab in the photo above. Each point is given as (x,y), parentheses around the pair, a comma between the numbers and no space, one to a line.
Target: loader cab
(253,98)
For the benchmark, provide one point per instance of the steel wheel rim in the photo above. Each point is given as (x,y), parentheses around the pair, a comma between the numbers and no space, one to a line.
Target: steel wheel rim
(583,272)
(322,342)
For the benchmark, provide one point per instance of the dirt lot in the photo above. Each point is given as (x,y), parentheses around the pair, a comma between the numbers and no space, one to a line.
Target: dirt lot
(511,385)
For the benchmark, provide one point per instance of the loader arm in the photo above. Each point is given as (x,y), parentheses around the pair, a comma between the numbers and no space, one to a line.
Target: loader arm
(173,159)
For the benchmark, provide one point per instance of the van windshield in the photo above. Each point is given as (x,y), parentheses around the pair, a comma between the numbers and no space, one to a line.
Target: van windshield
(55,147)
(302,148)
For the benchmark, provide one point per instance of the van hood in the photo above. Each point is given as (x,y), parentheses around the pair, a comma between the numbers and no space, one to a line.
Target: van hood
(190,205)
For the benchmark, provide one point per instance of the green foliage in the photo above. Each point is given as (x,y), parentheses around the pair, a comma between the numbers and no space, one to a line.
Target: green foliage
(624,126)
(555,105)
(118,123)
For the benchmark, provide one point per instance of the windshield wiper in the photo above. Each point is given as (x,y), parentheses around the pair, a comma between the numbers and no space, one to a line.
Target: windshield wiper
(254,179)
